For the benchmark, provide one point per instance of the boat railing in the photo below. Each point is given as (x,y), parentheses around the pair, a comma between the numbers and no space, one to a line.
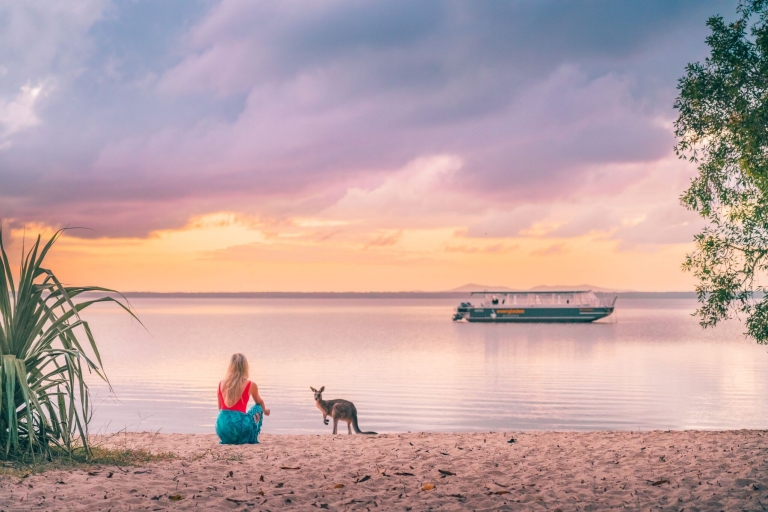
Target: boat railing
(577,299)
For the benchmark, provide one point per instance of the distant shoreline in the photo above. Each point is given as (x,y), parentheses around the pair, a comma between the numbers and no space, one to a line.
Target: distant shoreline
(367,295)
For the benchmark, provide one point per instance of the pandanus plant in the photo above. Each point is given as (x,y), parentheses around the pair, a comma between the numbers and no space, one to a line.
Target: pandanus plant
(45,350)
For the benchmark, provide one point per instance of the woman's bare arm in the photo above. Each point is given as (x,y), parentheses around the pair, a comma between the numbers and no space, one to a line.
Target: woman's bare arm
(257,398)
(218,397)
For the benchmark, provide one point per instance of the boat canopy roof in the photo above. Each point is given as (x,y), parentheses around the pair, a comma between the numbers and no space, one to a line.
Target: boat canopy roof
(527,292)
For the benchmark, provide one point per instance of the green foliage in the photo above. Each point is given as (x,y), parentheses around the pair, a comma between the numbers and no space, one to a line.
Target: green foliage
(44,400)
(723,127)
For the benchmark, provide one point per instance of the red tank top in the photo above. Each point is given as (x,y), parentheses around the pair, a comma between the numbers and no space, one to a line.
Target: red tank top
(241,404)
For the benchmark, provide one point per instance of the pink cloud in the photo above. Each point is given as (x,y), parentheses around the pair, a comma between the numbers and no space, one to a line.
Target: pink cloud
(395,115)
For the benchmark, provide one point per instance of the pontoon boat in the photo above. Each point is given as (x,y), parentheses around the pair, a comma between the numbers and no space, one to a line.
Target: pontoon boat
(531,306)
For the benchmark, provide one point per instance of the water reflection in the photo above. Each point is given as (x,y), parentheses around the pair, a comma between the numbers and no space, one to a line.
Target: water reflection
(408,367)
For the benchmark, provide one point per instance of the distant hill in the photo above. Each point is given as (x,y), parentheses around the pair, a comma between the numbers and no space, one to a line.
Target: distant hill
(578,287)
(481,287)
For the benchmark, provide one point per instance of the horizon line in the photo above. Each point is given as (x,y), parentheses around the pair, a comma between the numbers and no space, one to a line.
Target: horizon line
(338,293)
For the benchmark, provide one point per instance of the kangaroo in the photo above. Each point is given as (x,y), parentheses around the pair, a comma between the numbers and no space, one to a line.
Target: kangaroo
(343,410)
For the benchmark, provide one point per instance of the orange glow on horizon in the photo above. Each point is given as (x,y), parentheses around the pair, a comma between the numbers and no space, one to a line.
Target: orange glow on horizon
(222,253)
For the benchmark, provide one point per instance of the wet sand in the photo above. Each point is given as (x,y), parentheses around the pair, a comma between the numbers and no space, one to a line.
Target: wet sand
(691,470)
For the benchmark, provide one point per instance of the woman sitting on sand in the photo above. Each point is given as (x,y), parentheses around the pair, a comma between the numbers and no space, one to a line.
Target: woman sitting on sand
(234,425)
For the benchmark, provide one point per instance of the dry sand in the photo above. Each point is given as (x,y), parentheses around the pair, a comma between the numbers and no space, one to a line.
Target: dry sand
(540,471)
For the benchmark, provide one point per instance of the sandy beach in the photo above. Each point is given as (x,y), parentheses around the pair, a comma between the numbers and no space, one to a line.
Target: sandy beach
(691,470)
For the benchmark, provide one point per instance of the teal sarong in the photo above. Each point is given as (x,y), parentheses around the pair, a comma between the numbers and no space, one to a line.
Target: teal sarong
(235,427)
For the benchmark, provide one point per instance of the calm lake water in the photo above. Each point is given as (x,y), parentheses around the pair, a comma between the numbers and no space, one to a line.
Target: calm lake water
(407,367)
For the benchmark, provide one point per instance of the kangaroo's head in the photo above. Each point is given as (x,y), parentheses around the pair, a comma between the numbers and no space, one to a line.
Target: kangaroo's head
(318,394)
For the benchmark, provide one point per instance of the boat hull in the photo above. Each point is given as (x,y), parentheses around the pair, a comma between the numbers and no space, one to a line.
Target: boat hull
(531,314)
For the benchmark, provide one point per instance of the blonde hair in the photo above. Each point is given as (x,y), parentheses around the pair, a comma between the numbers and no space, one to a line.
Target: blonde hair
(236,377)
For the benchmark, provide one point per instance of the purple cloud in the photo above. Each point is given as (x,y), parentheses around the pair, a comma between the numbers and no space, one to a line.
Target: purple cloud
(280,109)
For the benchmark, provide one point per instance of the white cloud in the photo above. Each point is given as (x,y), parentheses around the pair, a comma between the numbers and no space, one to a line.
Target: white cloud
(19,113)
(42,43)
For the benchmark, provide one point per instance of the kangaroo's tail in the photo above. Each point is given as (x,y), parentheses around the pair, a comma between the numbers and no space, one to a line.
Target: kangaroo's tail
(357,428)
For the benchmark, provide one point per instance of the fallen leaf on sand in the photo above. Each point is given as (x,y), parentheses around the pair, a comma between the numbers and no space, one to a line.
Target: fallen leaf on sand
(110,474)
(511,440)
(231,474)
(260,493)
(233,500)
(460,496)
(338,486)
(446,472)
(405,473)
(287,467)
(142,471)
(659,482)
(501,492)
(364,479)
(261,478)
(175,497)
(427,487)
(279,485)
(156,498)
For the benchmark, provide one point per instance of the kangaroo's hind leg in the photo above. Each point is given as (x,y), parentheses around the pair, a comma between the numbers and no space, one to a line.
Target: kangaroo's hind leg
(349,427)
(335,416)
(335,413)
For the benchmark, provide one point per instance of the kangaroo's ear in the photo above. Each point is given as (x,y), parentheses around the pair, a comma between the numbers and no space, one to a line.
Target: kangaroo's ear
(313,389)
(322,389)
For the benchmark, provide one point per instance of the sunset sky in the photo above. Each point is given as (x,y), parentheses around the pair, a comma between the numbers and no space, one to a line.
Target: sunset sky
(348,145)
